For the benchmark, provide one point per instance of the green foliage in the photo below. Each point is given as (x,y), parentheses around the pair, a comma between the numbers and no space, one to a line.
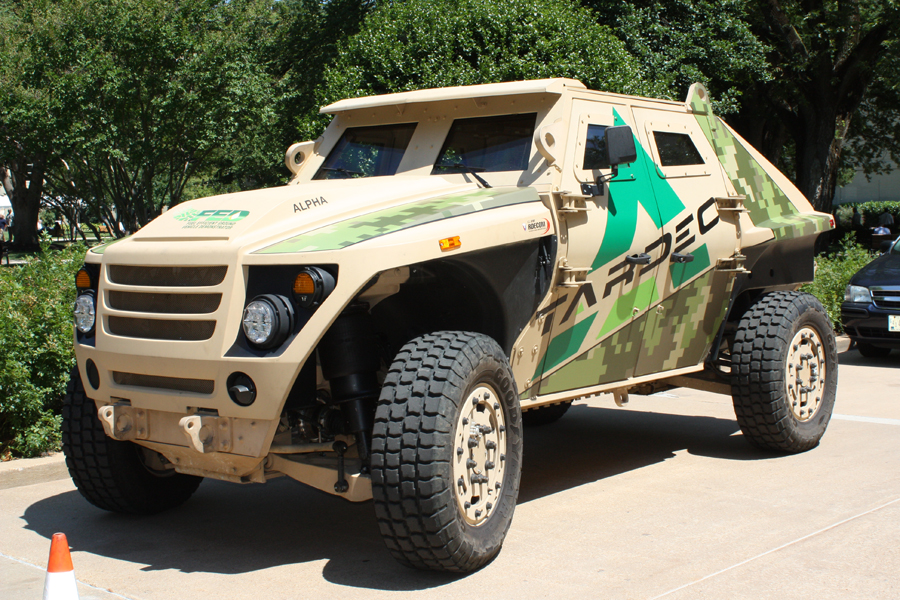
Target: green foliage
(833,274)
(433,43)
(36,337)
(681,42)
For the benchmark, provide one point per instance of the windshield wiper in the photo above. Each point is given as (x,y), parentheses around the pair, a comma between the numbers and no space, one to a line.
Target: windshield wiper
(470,170)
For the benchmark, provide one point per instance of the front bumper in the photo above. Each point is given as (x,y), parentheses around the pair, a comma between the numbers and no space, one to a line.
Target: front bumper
(868,323)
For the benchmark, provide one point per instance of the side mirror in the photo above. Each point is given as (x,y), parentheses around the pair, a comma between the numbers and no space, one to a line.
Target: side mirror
(620,150)
(620,145)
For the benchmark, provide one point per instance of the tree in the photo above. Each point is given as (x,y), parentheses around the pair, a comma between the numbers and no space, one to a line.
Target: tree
(145,95)
(431,43)
(803,71)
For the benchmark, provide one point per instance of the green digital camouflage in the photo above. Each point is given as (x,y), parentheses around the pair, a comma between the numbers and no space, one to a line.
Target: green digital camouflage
(444,267)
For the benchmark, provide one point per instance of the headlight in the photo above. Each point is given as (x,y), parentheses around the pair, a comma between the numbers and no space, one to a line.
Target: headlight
(84,313)
(858,294)
(268,320)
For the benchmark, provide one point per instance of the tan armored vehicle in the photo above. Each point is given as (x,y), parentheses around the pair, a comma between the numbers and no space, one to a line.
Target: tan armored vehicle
(445,267)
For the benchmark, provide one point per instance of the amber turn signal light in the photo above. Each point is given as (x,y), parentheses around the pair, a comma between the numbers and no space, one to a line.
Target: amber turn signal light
(83,280)
(450,243)
(304,284)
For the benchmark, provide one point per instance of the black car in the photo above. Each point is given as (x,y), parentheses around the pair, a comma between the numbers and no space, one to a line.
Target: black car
(870,312)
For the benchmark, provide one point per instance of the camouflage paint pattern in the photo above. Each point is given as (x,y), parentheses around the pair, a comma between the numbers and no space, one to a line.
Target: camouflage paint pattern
(767,203)
(682,337)
(396,218)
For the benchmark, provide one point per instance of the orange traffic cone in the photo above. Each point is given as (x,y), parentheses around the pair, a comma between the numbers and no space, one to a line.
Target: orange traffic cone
(60,581)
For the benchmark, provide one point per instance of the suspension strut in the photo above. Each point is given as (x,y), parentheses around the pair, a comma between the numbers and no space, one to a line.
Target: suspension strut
(348,354)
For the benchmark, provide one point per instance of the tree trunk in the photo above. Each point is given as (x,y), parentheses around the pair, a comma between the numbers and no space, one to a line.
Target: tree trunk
(23,180)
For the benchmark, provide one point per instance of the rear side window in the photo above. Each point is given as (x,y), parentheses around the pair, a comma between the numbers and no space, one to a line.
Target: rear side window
(595,148)
(367,152)
(487,144)
(676,149)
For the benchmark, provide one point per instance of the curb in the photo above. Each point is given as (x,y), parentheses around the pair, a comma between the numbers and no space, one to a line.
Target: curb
(30,471)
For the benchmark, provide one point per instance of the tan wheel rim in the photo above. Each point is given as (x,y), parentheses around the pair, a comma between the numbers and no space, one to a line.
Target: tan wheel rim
(805,373)
(479,455)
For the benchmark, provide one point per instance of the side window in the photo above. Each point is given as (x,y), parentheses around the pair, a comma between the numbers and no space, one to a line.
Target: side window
(676,149)
(595,148)
(487,144)
(367,152)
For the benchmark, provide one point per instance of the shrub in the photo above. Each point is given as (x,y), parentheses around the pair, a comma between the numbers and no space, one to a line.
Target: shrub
(833,274)
(36,341)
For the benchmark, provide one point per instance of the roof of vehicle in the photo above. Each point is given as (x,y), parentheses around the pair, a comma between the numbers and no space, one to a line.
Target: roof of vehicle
(538,86)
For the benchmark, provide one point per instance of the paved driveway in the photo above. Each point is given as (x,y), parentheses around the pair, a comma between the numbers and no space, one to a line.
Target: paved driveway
(662,499)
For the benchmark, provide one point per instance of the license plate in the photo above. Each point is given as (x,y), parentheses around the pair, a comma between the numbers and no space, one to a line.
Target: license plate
(893,322)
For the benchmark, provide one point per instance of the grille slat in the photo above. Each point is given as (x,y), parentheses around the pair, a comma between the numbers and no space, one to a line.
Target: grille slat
(886,298)
(871,332)
(178,384)
(161,329)
(166,276)
(164,303)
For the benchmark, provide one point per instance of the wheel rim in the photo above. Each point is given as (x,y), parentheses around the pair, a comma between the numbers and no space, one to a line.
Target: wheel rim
(479,455)
(805,373)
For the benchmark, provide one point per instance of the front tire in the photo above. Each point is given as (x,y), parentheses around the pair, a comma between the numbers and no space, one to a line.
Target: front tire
(113,475)
(784,372)
(447,452)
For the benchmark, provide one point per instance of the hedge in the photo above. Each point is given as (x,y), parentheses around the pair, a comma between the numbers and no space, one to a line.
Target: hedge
(35,349)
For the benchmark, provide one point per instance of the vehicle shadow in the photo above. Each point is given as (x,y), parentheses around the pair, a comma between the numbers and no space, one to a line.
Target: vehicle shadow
(852,357)
(232,529)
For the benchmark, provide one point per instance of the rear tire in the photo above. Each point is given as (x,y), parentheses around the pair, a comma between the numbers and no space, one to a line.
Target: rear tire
(545,415)
(110,474)
(447,452)
(870,351)
(784,372)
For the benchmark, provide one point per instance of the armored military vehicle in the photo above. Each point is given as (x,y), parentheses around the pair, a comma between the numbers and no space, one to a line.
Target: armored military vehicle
(445,267)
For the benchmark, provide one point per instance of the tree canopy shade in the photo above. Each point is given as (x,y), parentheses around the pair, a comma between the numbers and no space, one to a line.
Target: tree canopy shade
(432,43)
(136,96)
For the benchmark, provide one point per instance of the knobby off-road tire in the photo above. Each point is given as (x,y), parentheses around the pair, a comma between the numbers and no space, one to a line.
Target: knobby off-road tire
(113,475)
(545,415)
(784,372)
(447,452)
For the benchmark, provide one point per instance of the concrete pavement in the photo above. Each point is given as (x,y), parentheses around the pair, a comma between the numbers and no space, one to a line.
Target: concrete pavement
(661,499)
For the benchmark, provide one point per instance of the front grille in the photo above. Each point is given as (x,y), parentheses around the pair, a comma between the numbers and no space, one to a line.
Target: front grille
(161,329)
(886,298)
(164,303)
(873,332)
(178,384)
(167,276)
(146,305)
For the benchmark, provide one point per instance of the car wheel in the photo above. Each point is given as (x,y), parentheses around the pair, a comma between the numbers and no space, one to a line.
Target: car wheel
(544,415)
(870,351)
(447,452)
(116,476)
(784,372)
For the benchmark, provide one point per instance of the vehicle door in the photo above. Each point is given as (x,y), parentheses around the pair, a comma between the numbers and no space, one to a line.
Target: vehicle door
(613,247)
(692,295)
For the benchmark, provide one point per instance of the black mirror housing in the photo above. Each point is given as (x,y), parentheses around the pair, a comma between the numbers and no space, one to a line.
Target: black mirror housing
(620,145)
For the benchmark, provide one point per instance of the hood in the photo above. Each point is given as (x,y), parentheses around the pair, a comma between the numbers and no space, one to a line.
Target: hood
(276,213)
(884,270)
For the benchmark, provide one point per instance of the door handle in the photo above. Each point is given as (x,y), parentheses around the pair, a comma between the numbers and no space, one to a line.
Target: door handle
(682,258)
(638,259)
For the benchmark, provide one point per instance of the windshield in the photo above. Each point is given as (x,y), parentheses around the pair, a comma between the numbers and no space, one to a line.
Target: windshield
(895,249)
(367,152)
(487,144)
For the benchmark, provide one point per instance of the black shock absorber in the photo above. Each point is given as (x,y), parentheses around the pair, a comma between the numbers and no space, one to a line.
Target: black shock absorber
(349,356)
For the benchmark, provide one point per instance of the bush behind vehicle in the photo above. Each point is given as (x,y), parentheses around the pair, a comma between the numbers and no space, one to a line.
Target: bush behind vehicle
(36,342)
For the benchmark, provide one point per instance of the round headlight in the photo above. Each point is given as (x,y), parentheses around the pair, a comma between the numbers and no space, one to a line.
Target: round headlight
(84,313)
(268,320)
